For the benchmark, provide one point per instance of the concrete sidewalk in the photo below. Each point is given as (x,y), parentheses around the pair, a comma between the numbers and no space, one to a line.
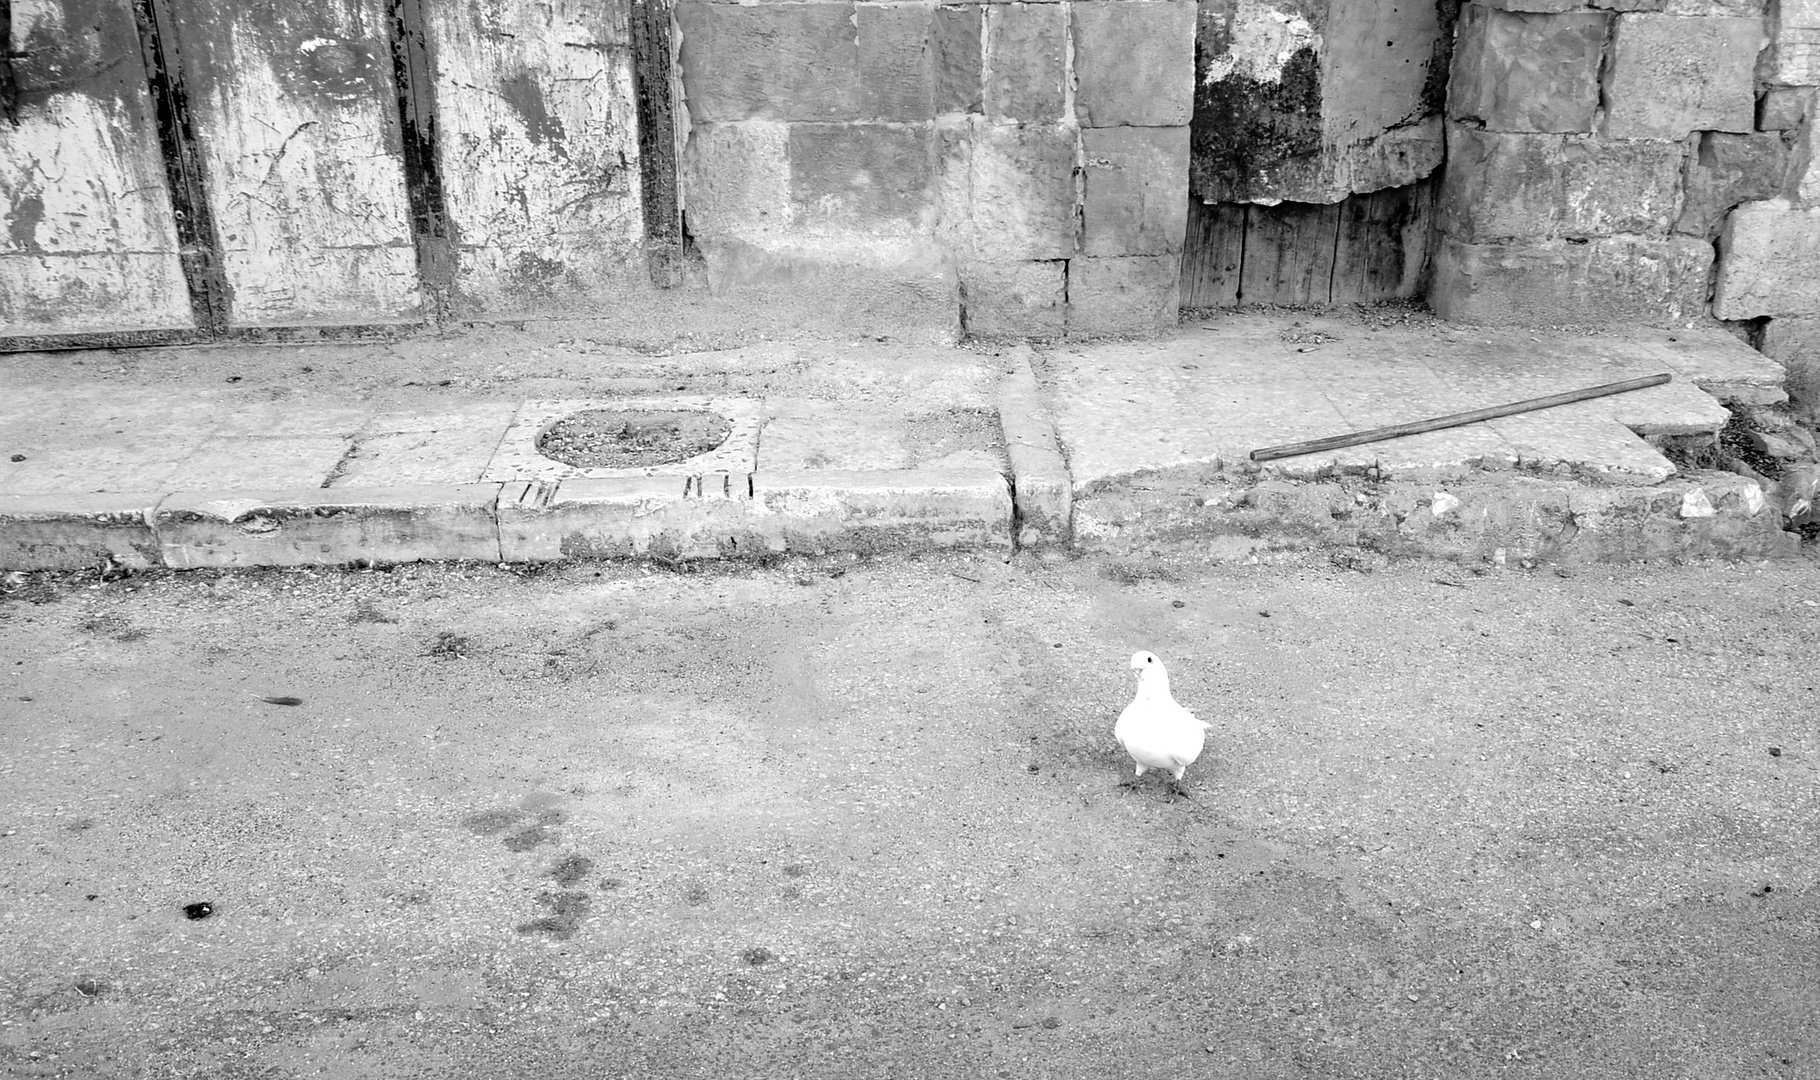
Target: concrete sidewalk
(426,449)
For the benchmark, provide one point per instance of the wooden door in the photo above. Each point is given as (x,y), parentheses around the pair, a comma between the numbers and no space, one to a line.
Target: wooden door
(537,146)
(1366,247)
(90,243)
(295,117)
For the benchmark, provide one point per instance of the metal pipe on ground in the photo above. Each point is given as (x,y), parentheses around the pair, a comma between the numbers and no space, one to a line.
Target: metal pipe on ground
(1417,427)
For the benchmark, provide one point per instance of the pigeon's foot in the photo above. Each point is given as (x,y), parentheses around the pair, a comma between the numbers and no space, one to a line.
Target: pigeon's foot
(1178,790)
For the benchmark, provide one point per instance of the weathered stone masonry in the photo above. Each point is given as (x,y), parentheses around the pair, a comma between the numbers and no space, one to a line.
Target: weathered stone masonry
(1019,168)
(1630,159)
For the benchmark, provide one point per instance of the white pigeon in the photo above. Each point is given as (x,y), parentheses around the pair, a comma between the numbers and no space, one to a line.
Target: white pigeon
(1153,729)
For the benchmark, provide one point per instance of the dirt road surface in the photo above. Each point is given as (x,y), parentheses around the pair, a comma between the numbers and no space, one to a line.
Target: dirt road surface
(846,819)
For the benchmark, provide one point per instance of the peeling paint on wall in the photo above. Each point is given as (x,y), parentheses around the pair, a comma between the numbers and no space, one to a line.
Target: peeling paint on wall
(1315,100)
(539,151)
(1261,41)
(88,244)
(298,128)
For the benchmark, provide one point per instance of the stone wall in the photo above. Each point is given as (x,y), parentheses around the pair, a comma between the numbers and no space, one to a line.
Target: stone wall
(1630,159)
(1002,169)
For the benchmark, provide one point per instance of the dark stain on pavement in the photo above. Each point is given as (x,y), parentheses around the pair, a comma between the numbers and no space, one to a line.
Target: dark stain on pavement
(567,909)
(488,822)
(571,868)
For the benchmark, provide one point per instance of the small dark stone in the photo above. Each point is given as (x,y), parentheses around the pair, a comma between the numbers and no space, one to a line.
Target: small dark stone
(1034,767)
(1775,751)
(18,457)
(202,909)
(233,378)
(1178,603)
(1264,614)
(757,955)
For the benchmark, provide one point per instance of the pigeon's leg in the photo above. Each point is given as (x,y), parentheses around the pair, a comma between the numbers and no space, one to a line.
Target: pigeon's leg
(1175,783)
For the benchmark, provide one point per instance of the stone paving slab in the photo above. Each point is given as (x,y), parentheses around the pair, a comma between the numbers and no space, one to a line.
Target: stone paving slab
(1213,393)
(870,447)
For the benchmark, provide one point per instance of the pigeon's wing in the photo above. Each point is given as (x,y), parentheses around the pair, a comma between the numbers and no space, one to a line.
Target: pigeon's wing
(1128,718)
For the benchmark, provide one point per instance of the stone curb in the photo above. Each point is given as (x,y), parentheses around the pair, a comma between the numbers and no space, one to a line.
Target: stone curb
(322,526)
(668,517)
(1042,488)
(72,532)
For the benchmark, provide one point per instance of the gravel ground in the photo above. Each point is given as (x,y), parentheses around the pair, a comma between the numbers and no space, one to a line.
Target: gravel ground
(845,819)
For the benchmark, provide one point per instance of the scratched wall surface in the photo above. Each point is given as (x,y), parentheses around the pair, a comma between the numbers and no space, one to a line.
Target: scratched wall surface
(89,245)
(297,121)
(538,145)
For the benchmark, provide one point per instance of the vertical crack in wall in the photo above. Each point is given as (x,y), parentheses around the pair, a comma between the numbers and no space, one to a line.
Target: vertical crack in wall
(9,87)
(653,90)
(1238,288)
(1339,230)
(1070,86)
(432,232)
(198,240)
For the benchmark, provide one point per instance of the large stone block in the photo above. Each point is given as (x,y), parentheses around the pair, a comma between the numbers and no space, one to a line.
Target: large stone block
(770,61)
(1795,344)
(840,282)
(1007,191)
(1502,185)
(1015,299)
(1767,255)
(864,175)
(1117,297)
(1795,57)
(897,60)
(1597,282)
(1026,46)
(1135,200)
(1669,75)
(1515,71)
(1541,7)
(1725,170)
(1283,113)
(956,43)
(1133,62)
(736,178)
(1784,108)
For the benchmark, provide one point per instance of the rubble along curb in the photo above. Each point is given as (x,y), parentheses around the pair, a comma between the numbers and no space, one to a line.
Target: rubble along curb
(1494,516)
(668,517)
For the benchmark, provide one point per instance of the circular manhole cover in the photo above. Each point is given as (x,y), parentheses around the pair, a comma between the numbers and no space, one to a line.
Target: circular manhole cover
(632,438)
